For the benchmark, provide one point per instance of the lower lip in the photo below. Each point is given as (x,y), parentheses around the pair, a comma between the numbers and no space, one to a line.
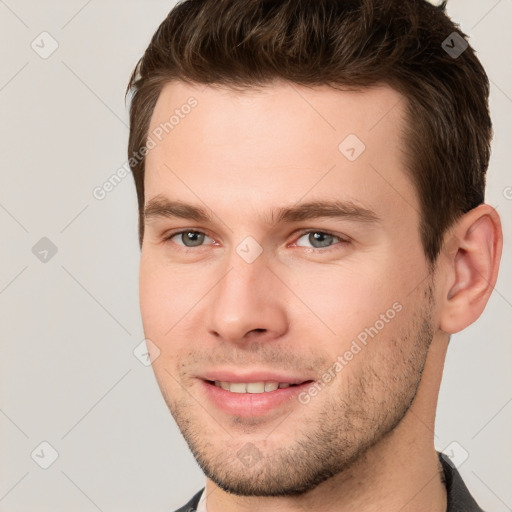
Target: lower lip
(251,404)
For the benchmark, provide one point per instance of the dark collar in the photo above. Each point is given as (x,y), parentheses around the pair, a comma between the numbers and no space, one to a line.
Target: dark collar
(459,498)
(191,506)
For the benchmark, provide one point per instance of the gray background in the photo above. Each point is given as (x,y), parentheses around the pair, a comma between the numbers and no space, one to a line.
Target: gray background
(70,324)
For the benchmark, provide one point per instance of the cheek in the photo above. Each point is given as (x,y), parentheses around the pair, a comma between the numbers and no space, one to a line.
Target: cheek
(168,294)
(150,299)
(159,301)
(347,300)
(162,305)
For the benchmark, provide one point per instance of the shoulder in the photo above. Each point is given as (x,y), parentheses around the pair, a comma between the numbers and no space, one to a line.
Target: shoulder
(191,506)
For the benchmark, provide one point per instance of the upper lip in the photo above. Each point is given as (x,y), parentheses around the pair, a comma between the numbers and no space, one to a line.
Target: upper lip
(254,376)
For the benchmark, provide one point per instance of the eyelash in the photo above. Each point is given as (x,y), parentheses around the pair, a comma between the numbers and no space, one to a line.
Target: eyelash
(342,241)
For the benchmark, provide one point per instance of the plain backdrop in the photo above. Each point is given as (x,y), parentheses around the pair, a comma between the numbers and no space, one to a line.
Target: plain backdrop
(69,309)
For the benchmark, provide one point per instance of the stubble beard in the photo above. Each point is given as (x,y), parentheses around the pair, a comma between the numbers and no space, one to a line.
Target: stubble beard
(348,423)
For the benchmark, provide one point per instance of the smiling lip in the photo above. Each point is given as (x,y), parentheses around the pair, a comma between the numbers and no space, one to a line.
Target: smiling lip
(251,404)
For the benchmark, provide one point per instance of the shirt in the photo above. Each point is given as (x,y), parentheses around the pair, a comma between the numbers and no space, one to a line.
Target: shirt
(458,497)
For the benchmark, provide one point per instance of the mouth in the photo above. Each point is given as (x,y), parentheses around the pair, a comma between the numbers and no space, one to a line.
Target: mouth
(254,387)
(250,399)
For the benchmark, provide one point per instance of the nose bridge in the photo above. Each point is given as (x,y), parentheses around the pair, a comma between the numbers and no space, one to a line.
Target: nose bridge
(246,298)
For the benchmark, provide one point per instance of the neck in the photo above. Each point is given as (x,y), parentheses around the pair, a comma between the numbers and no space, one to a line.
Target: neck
(401,472)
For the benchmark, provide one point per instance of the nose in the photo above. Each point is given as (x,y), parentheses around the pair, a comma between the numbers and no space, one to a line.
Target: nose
(248,303)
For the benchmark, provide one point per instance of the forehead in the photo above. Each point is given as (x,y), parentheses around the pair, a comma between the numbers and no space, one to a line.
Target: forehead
(259,111)
(279,142)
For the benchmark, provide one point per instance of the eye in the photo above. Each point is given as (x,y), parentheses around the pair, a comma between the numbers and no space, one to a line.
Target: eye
(320,239)
(188,238)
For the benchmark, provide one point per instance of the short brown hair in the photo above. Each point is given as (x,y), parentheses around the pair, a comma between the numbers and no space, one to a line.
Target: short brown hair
(356,43)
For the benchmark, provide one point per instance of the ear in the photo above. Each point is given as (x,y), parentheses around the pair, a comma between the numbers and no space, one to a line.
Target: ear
(470,258)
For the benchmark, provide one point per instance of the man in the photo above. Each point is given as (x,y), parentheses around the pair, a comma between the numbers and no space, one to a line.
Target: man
(310,178)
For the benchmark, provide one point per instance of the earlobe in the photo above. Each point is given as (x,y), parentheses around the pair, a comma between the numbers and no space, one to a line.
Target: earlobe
(474,248)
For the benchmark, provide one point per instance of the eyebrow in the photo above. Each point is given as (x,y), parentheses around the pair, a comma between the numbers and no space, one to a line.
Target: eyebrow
(161,207)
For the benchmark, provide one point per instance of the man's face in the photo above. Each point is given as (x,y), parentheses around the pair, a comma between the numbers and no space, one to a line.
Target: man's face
(252,296)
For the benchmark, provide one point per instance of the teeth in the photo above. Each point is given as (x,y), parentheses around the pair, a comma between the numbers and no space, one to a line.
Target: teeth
(255,387)
(252,387)
(271,386)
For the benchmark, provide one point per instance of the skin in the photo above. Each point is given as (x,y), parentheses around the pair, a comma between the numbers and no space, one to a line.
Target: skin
(365,441)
